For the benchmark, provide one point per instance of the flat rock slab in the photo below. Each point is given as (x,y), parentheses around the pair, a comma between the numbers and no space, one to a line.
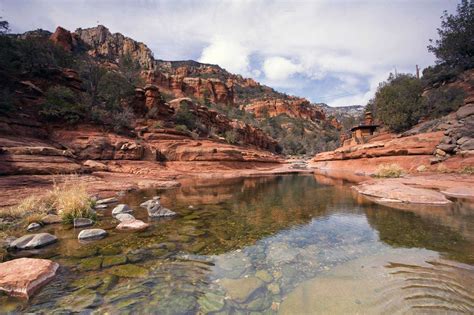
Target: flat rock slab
(135,225)
(92,234)
(32,241)
(459,192)
(387,191)
(24,276)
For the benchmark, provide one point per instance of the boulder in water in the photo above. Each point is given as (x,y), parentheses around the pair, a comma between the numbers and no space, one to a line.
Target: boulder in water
(32,241)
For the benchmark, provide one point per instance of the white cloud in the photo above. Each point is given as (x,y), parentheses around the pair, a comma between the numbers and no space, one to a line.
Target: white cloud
(279,68)
(272,40)
(228,54)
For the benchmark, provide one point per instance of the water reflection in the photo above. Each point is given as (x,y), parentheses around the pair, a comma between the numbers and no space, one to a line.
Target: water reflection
(248,245)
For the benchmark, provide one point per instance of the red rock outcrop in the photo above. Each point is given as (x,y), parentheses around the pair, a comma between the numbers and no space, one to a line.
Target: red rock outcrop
(63,38)
(100,42)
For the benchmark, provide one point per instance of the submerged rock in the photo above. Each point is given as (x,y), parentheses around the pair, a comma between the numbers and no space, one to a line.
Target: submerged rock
(211,302)
(33,241)
(135,225)
(24,276)
(129,271)
(240,290)
(121,208)
(33,226)
(82,222)
(155,209)
(92,234)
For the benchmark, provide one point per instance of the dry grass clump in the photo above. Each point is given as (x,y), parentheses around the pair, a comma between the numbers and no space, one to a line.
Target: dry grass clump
(469,170)
(69,200)
(388,171)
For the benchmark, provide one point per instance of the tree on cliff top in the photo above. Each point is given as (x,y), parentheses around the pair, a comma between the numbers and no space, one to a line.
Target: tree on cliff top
(455,46)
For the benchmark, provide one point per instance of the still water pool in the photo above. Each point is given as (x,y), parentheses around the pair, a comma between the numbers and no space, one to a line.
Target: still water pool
(293,244)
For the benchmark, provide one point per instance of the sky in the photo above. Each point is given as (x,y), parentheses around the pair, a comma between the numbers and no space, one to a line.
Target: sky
(329,51)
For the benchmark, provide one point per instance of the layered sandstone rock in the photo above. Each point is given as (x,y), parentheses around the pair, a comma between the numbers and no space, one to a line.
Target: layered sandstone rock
(292,107)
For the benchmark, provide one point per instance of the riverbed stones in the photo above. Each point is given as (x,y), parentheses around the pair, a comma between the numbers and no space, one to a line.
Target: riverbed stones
(241,289)
(32,241)
(33,226)
(82,222)
(92,234)
(110,261)
(24,276)
(134,225)
(155,209)
(121,208)
(211,302)
(123,217)
(51,219)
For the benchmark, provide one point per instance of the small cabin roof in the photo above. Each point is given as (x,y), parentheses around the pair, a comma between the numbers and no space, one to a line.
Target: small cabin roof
(370,127)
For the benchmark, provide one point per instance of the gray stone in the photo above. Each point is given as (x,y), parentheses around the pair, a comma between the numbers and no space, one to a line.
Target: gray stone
(447,147)
(125,217)
(106,201)
(155,209)
(33,241)
(121,208)
(100,207)
(462,140)
(51,219)
(465,111)
(468,145)
(82,222)
(33,226)
(92,234)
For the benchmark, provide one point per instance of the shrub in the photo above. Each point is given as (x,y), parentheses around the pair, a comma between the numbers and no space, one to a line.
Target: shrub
(467,170)
(61,104)
(231,137)
(398,101)
(388,171)
(185,117)
(181,128)
(442,101)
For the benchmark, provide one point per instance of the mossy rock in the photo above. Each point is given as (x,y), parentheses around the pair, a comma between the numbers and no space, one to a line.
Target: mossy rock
(91,282)
(196,247)
(80,300)
(90,264)
(129,271)
(211,302)
(84,252)
(110,261)
(274,288)
(176,304)
(110,250)
(181,238)
(108,282)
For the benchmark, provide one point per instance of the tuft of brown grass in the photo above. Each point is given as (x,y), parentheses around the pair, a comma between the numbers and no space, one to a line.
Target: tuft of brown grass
(69,200)
(469,170)
(389,171)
